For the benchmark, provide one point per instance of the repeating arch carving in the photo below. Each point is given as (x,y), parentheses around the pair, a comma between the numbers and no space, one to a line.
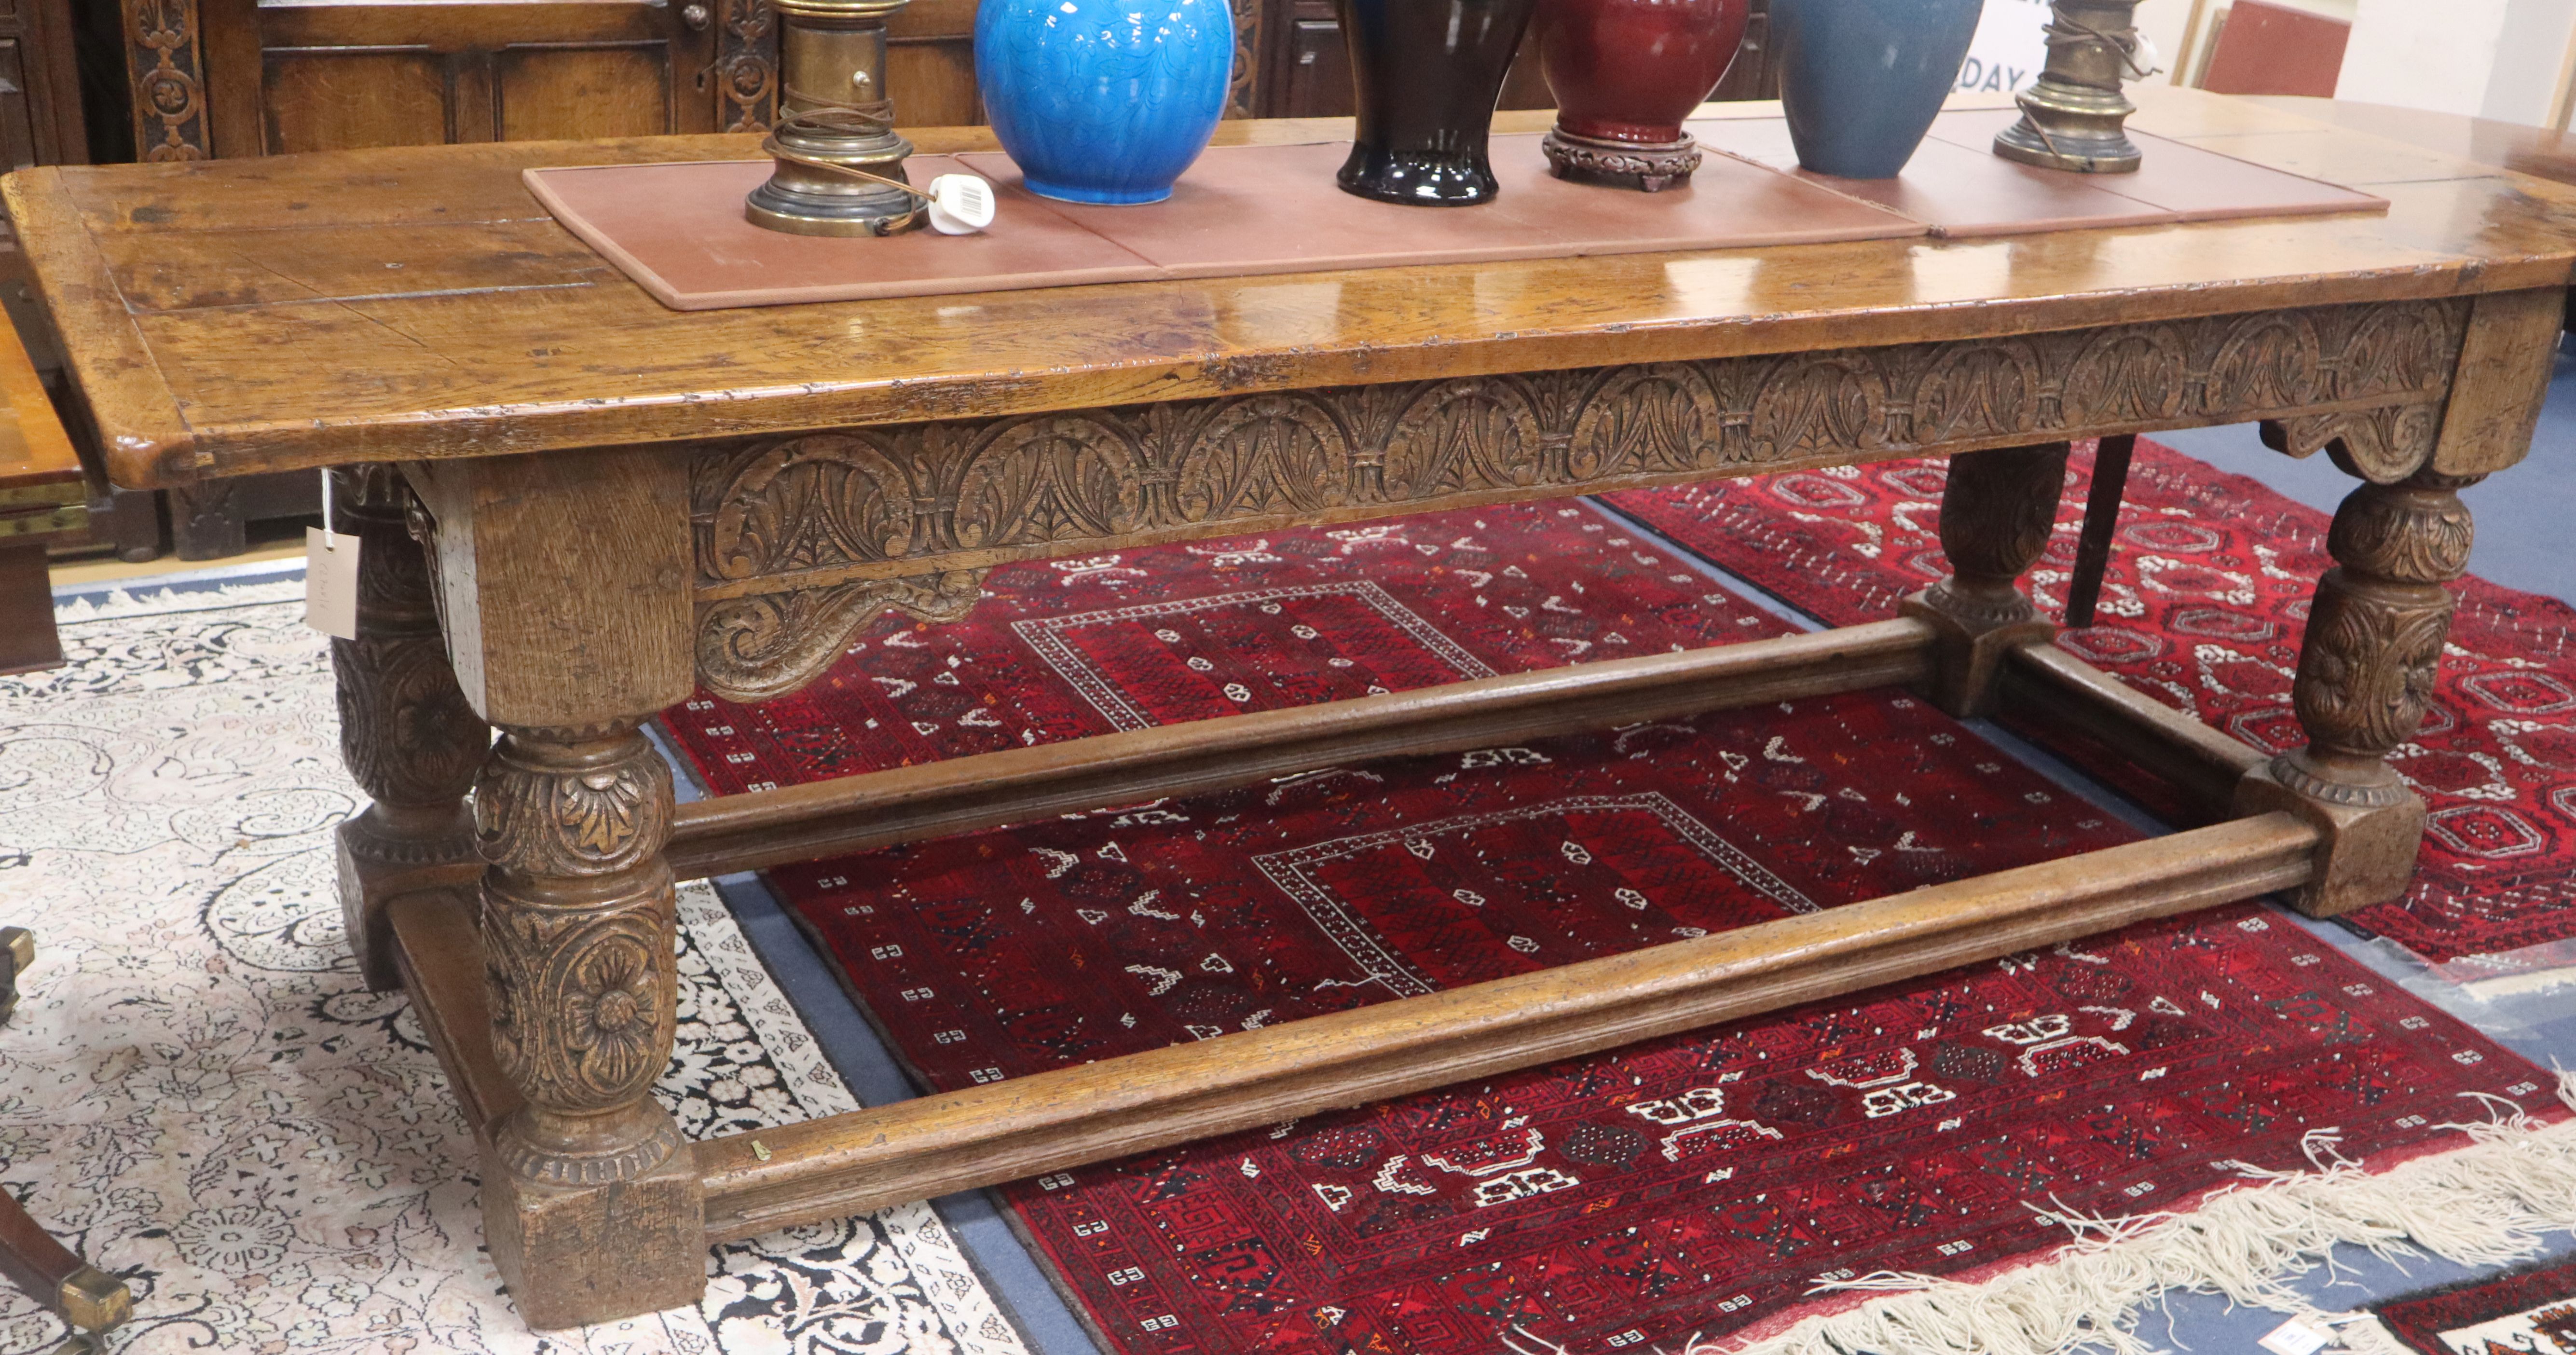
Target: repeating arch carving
(1460,436)
(1054,478)
(814,501)
(1268,454)
(1643,420)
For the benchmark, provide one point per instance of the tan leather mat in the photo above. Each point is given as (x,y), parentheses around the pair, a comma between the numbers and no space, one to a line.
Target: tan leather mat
(678,229)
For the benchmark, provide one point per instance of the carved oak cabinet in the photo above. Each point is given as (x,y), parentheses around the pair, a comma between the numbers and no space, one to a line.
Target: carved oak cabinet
(577,507)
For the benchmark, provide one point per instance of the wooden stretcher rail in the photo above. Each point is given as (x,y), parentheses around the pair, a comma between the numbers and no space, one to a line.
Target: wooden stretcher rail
(1020,785)
(439,954)
(2058,689)
(911,1150)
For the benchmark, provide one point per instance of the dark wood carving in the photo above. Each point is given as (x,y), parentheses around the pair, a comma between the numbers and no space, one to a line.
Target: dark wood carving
(746,69)
(410,740)
(166,63)
(900,508)
(1997,510)
(2374,637)
(408,736)
(1247,59)
(579,924)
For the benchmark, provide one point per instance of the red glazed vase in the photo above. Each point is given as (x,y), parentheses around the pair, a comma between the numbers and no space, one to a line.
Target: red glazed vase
(1625,73)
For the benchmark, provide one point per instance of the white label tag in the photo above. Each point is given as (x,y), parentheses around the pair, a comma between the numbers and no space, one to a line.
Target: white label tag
(331,583)
(2295,1338)
(960,204)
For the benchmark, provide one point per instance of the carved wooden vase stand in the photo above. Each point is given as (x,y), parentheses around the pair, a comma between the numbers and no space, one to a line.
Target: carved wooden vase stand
(1625,73)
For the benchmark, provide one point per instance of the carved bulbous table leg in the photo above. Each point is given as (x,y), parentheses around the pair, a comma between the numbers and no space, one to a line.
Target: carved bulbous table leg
(1996,515)
(2366,669)
(579,927)
(408,736)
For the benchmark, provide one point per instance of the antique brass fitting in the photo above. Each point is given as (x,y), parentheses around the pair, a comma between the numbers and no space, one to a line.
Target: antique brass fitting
(840,163)
(17,951)
(2073,117)
(93,1300)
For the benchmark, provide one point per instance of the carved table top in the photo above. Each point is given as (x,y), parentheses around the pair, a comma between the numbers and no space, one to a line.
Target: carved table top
(237,316)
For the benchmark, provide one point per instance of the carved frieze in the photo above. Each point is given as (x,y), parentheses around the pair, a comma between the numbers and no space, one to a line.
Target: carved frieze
(900,508)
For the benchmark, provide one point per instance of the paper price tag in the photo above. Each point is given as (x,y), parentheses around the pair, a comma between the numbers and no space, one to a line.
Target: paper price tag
(2295,1338)
(331,582)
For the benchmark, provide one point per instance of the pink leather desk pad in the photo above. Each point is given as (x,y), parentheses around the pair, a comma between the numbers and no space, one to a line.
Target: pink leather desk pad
(679,232)
(1960,189)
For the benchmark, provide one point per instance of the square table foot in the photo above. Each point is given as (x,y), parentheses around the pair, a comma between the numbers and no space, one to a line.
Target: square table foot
(378,864)
(573,1255)
(1968,655)
(2370,840)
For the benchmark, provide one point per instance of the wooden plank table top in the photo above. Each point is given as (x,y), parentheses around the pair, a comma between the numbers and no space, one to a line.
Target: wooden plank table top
(251,315)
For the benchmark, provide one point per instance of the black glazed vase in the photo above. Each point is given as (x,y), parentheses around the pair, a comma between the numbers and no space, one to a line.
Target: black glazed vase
(1425,75)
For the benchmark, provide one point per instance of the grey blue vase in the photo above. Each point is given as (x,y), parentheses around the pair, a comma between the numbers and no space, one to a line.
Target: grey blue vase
(1862,80)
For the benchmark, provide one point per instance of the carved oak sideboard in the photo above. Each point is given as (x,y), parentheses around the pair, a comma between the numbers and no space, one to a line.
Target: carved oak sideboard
(577,507)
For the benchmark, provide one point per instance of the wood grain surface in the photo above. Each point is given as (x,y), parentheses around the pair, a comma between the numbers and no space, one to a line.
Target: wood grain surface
(909,1150)
(457,320)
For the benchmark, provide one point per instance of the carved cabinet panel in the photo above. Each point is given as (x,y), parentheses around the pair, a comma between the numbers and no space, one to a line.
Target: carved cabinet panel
(265,77)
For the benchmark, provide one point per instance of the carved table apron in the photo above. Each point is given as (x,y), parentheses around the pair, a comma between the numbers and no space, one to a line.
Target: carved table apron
(559,562)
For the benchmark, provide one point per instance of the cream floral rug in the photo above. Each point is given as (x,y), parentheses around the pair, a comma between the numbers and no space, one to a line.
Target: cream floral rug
(198,1093)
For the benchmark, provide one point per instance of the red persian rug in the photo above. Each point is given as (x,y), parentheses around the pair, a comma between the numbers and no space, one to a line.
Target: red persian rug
(2530,1311)
(2202,608)
(1699,1184)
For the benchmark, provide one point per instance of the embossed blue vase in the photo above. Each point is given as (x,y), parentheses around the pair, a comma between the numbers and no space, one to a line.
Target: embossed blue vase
(1861,80)
(1104,101)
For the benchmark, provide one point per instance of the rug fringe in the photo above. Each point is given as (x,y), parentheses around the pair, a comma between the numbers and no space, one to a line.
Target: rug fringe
(2485,1204)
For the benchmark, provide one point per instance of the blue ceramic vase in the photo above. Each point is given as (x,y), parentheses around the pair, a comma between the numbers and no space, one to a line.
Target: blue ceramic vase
(1104,101)
(1861,80)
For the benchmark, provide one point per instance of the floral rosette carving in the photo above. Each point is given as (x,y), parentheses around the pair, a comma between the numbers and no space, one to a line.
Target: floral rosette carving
(406,731)
(584,1004)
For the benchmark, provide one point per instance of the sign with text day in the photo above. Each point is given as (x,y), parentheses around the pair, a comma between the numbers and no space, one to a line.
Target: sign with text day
(2009,48)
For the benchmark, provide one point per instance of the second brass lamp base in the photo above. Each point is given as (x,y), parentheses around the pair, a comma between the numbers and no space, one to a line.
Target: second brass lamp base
(2074,118)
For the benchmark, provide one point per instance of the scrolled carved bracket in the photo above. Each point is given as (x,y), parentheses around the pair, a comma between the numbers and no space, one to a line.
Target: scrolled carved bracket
(769,644)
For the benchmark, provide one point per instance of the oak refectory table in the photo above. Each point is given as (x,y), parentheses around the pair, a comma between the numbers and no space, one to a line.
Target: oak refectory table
(577,506)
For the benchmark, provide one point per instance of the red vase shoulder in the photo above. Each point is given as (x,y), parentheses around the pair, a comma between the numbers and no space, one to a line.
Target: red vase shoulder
(1631,70)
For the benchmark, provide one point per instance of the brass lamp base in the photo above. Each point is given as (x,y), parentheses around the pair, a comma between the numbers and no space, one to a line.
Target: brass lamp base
(2058,134)
(840,163)
(2073,118)
(803,199)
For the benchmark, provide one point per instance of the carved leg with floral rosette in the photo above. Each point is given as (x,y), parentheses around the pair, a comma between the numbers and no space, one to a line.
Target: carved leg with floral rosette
(566,581)
(410,740)
(1996,513)
(578,933)
(2366,670)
